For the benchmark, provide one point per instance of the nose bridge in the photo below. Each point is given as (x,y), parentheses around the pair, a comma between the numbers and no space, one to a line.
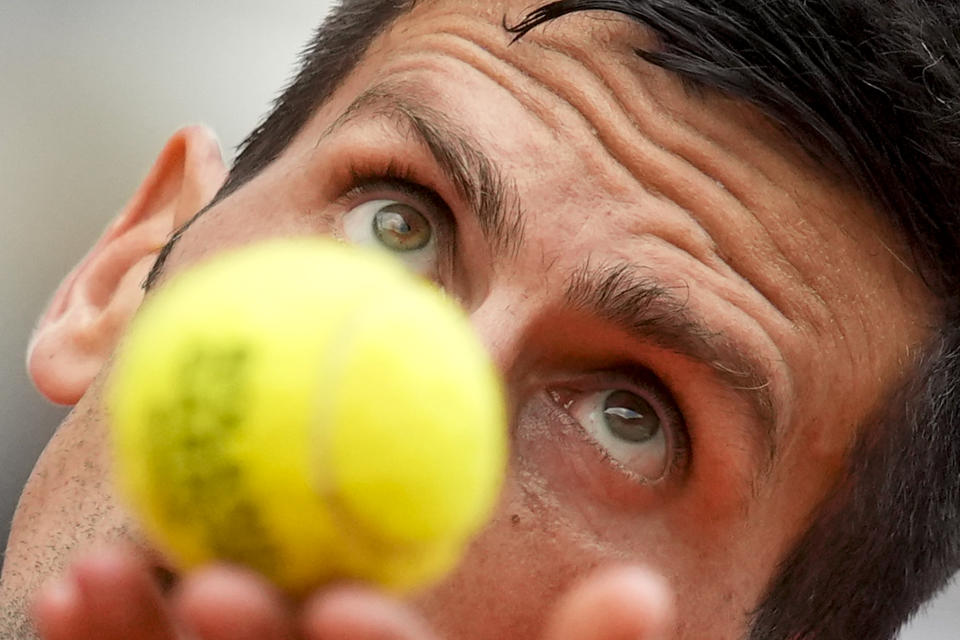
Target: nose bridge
(501,320)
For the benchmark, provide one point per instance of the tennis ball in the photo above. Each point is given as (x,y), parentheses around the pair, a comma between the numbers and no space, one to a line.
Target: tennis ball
(310,410)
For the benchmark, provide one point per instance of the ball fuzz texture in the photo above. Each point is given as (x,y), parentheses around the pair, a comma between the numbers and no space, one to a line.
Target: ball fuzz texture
(310,410)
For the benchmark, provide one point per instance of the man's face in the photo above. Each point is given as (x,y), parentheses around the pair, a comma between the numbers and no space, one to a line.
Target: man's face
(625,247)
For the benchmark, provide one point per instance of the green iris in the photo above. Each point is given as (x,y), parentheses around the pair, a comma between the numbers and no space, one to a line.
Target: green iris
(401,228)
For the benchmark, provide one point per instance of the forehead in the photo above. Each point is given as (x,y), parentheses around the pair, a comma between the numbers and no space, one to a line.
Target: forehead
(581,73)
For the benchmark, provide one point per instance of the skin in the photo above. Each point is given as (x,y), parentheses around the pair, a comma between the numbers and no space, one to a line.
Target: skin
(609,160)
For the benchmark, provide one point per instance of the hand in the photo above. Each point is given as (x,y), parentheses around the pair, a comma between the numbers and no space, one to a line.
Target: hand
(110,595)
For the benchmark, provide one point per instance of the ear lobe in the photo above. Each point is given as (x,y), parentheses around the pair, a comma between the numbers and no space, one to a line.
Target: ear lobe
(92,306)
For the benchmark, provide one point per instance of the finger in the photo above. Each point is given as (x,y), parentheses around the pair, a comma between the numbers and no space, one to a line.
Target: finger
(56,611)
(353,613)
(617,604)
(106,595)
(222,603)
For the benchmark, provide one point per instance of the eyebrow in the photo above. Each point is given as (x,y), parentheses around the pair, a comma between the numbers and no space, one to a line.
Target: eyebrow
(490,195)
(629,297)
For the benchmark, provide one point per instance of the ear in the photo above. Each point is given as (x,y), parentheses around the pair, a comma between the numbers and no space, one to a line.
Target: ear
(92,306)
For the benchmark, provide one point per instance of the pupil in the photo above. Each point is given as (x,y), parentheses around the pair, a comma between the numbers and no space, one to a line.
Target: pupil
(401,228)
(630,417)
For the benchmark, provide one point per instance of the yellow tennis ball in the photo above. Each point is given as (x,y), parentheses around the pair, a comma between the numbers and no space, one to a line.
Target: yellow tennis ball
(310,410)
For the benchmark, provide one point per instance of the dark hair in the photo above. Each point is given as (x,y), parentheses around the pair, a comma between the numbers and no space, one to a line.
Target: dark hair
(871,87)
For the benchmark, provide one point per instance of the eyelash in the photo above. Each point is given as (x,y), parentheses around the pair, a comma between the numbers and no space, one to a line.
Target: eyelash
(644,383)
(364,180)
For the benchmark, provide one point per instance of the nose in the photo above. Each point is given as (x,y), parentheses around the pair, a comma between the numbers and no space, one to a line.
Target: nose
(502,321)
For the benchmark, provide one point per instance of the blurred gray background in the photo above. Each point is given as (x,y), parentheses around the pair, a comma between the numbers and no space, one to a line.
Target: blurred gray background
(89,92)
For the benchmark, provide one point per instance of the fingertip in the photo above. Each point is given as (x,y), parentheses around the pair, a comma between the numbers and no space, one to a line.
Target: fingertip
(209,599)
(65,606)
(55,608)
(621,602)
(106,566)
(639,585)
(360,614)
(216,584)
(115,597)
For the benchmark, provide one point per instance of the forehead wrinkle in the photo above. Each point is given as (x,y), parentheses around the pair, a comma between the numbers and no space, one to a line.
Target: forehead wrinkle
(729,186)
(652,179)
(725,165)
(526,98)
(477,46)
(659,180)
(466,51)
(465,48)
(633,299)
(476,179)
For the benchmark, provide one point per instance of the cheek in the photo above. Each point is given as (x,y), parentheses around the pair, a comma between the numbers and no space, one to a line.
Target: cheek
(511,574)
(539,544)
(74,464)
(68,503)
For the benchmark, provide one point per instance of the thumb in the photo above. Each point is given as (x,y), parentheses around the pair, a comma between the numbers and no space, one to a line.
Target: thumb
(623,603)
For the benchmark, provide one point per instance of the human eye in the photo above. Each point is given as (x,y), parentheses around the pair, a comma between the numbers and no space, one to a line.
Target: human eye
(398,217)
(632,419)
